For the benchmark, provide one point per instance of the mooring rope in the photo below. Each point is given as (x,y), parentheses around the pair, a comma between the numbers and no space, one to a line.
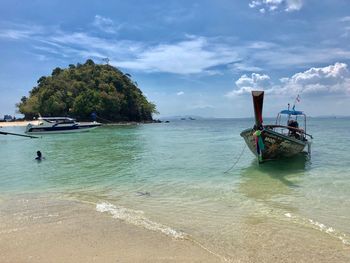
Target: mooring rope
(237,160)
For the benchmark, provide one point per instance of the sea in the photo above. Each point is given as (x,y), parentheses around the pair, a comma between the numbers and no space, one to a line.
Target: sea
(193,179)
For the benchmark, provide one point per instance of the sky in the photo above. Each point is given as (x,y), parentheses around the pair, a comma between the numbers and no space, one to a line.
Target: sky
(188,57)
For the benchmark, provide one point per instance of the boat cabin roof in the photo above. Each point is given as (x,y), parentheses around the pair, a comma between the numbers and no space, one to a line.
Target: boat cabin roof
(55,119)
(292,112)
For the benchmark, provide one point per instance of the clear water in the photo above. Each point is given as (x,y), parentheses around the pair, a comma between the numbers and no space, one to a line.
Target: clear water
(171,177)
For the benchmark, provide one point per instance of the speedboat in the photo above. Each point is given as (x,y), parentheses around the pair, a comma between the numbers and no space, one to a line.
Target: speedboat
(47,125)
(273,141)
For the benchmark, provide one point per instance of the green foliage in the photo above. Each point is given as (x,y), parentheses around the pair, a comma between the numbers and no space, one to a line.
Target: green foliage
(81,89)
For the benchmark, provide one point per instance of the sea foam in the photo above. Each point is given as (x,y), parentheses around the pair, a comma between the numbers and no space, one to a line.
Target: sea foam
(321,227)
(137,217)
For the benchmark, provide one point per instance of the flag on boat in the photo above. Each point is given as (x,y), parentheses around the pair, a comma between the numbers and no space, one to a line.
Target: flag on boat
(297,99)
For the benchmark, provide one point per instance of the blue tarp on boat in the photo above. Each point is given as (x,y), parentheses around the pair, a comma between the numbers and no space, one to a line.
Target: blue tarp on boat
(292,112)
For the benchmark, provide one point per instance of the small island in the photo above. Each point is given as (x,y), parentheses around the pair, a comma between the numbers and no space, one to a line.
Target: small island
(81,89)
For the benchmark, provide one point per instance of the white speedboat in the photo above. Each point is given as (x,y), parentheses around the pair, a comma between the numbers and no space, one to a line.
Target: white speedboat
(48,125)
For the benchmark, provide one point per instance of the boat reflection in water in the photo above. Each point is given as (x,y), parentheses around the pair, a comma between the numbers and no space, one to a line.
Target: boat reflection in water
(274,178)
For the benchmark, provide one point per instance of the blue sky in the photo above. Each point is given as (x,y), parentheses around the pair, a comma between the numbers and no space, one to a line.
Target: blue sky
(189,57)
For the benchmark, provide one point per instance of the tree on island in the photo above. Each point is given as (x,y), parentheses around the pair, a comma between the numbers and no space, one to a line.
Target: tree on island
(81,89)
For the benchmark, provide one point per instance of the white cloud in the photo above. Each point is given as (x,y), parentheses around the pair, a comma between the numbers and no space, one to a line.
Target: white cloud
(273,5)
(190,56)
(298,56)
(17,31)
(345,19)
(201,106)
(294,5)
(245,84)
(105,24)
(180,93)
(332,79)
(243,66)
(345,25)
(261,45)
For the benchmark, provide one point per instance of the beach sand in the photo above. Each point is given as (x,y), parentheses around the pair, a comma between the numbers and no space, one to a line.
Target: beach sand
(42,229)
(38,230)
(17,123)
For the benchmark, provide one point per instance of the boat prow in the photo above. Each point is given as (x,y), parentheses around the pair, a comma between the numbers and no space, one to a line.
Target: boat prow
(276,145)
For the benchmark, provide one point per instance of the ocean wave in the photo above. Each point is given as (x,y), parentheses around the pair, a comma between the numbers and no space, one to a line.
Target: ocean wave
(137,217)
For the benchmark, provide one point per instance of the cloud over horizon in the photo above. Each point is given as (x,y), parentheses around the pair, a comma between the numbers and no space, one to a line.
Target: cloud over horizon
(332,79)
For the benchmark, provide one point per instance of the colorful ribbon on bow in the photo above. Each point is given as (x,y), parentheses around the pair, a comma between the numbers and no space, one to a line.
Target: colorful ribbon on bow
(259,143)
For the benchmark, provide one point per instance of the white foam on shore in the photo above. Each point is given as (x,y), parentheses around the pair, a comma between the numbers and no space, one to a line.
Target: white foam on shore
(137,217)
(288,215)
(319,226)
(10,230)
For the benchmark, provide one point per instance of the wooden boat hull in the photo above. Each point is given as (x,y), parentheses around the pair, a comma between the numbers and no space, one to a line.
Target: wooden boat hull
(276,145)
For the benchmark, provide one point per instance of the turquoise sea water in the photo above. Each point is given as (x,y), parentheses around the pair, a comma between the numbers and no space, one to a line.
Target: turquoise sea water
(171,178)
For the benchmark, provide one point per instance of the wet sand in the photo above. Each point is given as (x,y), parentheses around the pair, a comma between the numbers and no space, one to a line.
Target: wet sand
(63,231)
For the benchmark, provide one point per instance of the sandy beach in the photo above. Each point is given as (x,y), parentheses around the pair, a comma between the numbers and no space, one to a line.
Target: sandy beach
(17,123)
(43,230)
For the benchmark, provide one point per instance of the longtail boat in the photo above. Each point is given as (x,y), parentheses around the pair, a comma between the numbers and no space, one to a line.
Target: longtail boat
(274,141)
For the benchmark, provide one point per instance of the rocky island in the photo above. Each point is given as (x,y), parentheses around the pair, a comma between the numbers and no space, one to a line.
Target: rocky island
(83,89)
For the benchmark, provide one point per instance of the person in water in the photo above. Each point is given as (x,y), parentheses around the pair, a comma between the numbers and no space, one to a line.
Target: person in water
(39,156)
(93,116)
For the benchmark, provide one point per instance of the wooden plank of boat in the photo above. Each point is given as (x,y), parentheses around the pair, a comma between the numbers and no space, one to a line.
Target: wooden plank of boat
(276,145)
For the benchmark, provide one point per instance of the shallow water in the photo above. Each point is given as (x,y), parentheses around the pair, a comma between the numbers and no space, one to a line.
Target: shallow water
(171,178)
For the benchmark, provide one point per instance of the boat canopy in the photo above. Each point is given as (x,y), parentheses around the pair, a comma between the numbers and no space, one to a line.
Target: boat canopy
(54,118)
(292,112)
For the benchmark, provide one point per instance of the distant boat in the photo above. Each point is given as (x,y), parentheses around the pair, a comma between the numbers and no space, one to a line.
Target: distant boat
(273,141)
(47,125)
(187,118)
